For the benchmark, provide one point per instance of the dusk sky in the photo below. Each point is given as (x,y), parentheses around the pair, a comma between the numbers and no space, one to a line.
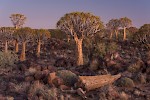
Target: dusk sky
(46,13)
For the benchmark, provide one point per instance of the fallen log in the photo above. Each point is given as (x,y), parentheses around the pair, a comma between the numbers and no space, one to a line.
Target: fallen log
(93,82)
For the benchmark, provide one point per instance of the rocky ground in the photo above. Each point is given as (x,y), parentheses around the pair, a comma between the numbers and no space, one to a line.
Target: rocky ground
(53,76)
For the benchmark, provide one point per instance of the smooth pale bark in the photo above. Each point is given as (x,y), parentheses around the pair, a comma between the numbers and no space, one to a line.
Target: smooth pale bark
(116,32)
(38,48)
(111,34)
(79,51)
(124,33)
(23,53)
(16,46)
(6,46)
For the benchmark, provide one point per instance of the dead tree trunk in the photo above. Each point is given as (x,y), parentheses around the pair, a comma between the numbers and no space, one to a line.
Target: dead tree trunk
(93,82)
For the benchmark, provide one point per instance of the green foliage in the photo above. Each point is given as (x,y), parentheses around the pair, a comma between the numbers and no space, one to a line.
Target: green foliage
(135,67)
(104,48)
(18,20)
(143,36)
(68,77)
(80,24)
(125,22)
(6,33)
(126,82)
(58,34)
(41,34)
(24,34)
(8,59)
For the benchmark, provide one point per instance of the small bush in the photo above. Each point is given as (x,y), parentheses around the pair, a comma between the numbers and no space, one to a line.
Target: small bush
(126,82)
(111,47)
(135,67)
(101,49)
(68,77)
(40,91)
(104,48)
(8,59)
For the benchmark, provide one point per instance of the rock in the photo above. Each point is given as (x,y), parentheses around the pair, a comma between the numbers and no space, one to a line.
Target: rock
(44,68)
(45,73)
(110,63)
(32,70)
(29,78)
(137,92)
(51,77)
(124,96)
(94,64)
(81,93)
(57,82)
(140,78)
(38,67)
(51,68)
(38,75)
(64,87)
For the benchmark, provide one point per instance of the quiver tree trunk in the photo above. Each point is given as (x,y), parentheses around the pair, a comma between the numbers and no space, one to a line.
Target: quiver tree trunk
(79,51)
(23,53)
(124,33)
(6,46)
(93,82)
(16,46)
(116,32)
(111,34)
(38,49)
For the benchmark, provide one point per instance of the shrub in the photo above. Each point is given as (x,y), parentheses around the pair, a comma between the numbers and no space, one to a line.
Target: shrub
(126,82)
(104,48)
(135,66)
(111,47)
(68,77)
(8,59)
(40,91)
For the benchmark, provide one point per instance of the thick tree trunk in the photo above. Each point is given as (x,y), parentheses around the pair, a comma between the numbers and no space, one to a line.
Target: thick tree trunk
(23,53)
(38,48)
(16,46)
(124,33)
(6,46)
(79,52)
(116,32)
(111,34)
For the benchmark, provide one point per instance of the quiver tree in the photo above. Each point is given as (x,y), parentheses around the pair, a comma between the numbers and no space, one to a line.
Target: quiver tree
(125,23)
(40,35)
(143,36)
(24,35)
(6,35)
(113,26)
(79,25)
(17,20)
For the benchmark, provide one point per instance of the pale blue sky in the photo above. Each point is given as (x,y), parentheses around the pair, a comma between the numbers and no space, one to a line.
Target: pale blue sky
(46,13)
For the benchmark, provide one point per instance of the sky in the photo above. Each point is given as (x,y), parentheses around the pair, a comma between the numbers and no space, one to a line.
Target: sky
(46,13)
